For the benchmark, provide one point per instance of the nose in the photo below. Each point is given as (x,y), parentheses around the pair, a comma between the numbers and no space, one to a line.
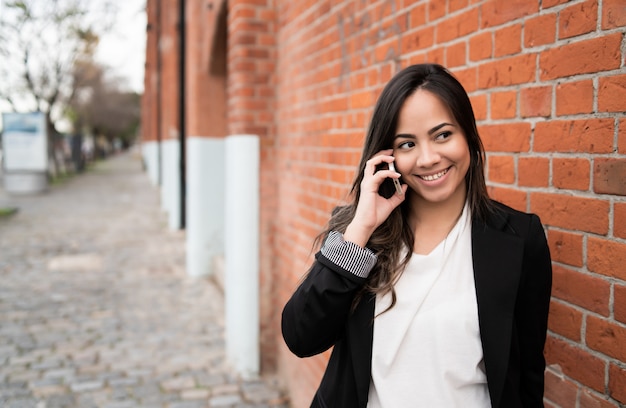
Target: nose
(428,156)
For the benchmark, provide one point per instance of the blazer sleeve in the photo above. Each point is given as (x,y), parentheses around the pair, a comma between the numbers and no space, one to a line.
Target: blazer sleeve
(315,316)
(532,313)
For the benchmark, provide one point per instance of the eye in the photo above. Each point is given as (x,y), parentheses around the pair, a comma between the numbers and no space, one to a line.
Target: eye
(443,136)
(405,145)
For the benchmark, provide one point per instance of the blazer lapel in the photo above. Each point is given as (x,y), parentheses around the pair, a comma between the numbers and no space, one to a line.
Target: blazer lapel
(497,260)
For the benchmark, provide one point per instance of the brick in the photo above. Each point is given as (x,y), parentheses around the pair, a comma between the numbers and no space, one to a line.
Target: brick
(588,399)
(584,290)
(417,16)
(536,101)
(508,40)
(416,59)
(519,69)
(619,220)
(458,26)
(436,9)
(195,394)
(456,55)
(513,198)
(606,257)
(479,105)
(545,4)
(501,169)
(540,30)
(565,321)
(468,78)
(512,137)
(621,136)
(363,99)
(86,386)
(560,390)
(576,363)
(609,176)
(566,247)
(243,12)
(606,337)
(617,383)
(418,40)
(503,105)
(574,97)
(574,213)
(613,14)
(575,136)
(578,19)
(573,174)
(581,57)
(498,12)
(612,94)
(455,5)
(533,171)
(619,304)
(480,46)
(225,400)
(178,383)
(436,56)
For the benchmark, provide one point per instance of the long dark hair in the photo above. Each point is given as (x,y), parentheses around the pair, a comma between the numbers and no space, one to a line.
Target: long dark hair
(392,259)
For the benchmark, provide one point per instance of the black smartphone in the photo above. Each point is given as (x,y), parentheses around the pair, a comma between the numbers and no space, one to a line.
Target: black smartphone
(390,186)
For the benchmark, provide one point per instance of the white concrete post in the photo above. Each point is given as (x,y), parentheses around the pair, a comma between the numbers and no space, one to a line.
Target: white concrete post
(170,188)
(241,278)
(151,160)
(205,203)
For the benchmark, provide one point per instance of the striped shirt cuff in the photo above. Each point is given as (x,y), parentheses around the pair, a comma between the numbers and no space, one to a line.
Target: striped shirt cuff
(348,255)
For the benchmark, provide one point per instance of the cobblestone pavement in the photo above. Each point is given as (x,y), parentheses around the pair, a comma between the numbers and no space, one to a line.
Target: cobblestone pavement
(96,309)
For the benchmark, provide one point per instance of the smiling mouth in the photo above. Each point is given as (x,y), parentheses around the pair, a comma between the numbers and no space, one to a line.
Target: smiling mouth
(436,176)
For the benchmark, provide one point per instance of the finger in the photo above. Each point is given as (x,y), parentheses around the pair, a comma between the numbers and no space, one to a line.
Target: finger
(381,156)
(371,164)
(379,177)
(396,199)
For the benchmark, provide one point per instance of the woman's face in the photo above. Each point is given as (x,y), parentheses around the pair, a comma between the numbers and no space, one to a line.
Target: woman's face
(431,150)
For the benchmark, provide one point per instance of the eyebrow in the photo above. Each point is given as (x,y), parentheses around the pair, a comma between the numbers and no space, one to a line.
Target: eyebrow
(430,132)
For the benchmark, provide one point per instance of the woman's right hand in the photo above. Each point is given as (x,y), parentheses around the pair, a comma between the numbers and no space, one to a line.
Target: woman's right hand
(372,208)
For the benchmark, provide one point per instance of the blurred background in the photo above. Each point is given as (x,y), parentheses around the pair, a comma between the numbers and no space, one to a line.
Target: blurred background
(81,63)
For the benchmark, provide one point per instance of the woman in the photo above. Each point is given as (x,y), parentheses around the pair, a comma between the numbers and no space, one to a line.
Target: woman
(434,295)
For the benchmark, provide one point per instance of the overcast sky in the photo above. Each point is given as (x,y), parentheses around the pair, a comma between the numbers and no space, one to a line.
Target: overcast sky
(123,48)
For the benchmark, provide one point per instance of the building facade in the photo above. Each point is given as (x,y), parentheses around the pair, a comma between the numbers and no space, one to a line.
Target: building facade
(299,79)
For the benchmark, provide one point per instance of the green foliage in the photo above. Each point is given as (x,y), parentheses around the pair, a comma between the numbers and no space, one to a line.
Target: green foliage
(7,211)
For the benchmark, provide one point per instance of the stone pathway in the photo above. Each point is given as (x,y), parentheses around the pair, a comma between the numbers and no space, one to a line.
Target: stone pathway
(96,309)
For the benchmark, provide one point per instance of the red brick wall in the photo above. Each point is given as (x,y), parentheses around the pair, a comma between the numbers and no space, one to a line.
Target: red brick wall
(149,100)
(169,46)
(162,66)
(206,77)
(547,82)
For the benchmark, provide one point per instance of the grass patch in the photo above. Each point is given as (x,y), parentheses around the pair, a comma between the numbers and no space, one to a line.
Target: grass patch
(61,178)
(7,211)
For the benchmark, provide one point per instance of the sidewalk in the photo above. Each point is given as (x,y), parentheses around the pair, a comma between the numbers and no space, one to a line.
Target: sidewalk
(96,309)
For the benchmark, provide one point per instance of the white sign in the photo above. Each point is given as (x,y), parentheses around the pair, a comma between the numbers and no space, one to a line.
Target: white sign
(25,142)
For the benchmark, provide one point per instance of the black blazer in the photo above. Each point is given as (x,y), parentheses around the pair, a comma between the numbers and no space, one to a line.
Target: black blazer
(513,277)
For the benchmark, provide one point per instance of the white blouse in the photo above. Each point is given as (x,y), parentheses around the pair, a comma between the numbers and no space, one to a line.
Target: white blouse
(427,350)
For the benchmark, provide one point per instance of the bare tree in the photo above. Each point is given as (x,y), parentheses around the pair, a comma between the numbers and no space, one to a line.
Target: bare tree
(102,106)
(40,43)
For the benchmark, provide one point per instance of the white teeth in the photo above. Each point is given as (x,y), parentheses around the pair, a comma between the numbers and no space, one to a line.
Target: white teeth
(435,176)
